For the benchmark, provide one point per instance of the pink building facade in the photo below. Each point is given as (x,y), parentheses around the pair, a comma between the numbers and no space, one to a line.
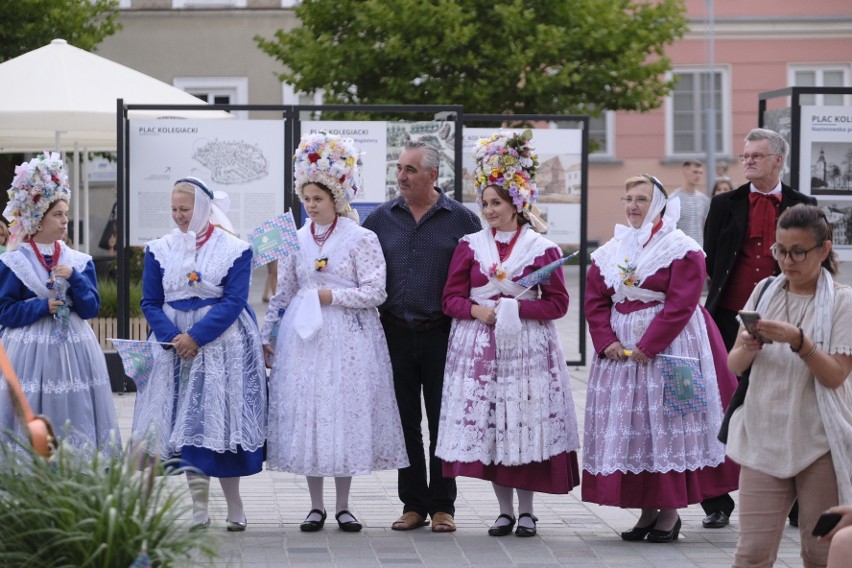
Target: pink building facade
(758,47)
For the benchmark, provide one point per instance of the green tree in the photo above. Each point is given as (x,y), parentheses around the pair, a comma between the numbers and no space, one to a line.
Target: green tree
(492,56)
(29,24)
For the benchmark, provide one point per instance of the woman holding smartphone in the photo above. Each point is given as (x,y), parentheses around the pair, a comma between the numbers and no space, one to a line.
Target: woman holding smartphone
(791,436)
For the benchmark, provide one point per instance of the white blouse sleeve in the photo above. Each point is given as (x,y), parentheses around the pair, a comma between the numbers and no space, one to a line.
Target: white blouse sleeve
(370,272)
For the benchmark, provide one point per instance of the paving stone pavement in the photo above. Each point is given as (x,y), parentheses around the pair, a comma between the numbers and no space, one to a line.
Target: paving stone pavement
(570,532)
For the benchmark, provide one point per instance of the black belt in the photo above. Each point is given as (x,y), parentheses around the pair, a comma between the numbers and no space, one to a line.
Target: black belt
(419,327)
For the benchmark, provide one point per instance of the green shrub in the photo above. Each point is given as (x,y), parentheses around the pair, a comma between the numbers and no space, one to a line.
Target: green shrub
(108,290)
(94,512)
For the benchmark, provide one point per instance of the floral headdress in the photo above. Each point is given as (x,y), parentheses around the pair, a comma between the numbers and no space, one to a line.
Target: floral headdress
(508,162)
(36,185)
(332,161)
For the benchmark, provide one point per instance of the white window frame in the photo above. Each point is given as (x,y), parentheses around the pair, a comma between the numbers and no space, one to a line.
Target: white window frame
(820,70)
(290,96)
(178,4)
(125,4)
(290,3)
(725,111)
(236,87)
(608,151)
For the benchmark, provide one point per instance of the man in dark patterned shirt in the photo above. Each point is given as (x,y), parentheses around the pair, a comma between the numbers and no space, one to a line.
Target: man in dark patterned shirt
(419,231)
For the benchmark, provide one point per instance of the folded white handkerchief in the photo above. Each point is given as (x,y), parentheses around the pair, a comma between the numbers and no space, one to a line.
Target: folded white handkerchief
(508,321)
(308,318)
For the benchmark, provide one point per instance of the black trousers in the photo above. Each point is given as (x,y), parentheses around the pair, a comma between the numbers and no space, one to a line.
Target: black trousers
(726,321)
(723,503)
(418,360)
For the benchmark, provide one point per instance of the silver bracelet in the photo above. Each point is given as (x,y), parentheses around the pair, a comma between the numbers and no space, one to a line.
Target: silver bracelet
(810,353)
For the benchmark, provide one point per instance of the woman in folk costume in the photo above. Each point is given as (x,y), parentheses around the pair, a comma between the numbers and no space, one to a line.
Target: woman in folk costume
(653,407)
(46,291)
(507,414)
(206,398)
(332,410)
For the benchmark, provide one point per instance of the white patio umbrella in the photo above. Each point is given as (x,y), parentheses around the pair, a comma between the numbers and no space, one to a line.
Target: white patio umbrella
(61,95)
(62,98)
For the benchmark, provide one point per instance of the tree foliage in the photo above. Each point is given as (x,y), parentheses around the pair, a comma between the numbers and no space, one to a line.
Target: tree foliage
(492,56)
(29,24)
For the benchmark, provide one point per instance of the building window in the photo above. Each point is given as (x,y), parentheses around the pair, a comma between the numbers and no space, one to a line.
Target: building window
(812,76)
(208,3)
(290,96)
(290,3)
(602,135)
(686,112)
(217,90)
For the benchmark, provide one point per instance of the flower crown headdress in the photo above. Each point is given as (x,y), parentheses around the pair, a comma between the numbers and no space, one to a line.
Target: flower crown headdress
(507,161)
(332,161)
(36,185)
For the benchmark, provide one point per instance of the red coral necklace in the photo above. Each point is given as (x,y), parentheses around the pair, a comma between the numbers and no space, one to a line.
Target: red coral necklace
(321,239)
(43,261)
(199,241)
(510,246)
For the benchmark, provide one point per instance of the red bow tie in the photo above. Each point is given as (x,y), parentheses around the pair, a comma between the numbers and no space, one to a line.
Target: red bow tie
(764,215)
(755,196)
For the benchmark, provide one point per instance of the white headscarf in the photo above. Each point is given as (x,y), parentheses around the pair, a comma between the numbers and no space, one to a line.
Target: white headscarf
(209,207)
(629,251)
(632,239)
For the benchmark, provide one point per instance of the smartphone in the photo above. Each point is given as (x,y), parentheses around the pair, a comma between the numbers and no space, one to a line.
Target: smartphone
(825,523)
(749,320)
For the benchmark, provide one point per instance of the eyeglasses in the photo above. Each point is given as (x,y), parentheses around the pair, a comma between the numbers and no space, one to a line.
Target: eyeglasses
(641,200)
(795,255)
(756,157)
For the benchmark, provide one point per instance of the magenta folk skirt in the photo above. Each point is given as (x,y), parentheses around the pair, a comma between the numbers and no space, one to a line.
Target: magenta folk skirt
(558,475)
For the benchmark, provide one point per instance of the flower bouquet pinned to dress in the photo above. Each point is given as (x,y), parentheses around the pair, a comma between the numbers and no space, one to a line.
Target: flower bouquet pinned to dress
(542,275)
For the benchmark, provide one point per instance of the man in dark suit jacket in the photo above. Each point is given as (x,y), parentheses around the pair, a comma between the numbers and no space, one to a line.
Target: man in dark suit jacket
(740,228)
(738,234)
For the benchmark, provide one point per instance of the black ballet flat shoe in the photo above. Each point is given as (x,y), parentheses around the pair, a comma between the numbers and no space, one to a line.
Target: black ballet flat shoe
(638,533)
(665,536)
(200,526)
(348,526)
(524,531)
(502,530)
(313,526)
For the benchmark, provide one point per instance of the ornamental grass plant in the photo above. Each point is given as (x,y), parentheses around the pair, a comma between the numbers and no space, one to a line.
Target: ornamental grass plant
(96,512)
(108,291)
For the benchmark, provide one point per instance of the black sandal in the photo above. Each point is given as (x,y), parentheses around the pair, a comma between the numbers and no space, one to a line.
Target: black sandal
(502,530)
(313,526)
(524,531)
(347,526)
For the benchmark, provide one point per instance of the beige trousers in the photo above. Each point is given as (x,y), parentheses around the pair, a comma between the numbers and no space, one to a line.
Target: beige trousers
(765,501)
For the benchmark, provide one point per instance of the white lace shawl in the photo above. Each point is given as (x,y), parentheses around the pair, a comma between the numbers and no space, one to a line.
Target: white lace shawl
(665,247)
(835,405)
(24,264)
(178,257)
(530,245)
